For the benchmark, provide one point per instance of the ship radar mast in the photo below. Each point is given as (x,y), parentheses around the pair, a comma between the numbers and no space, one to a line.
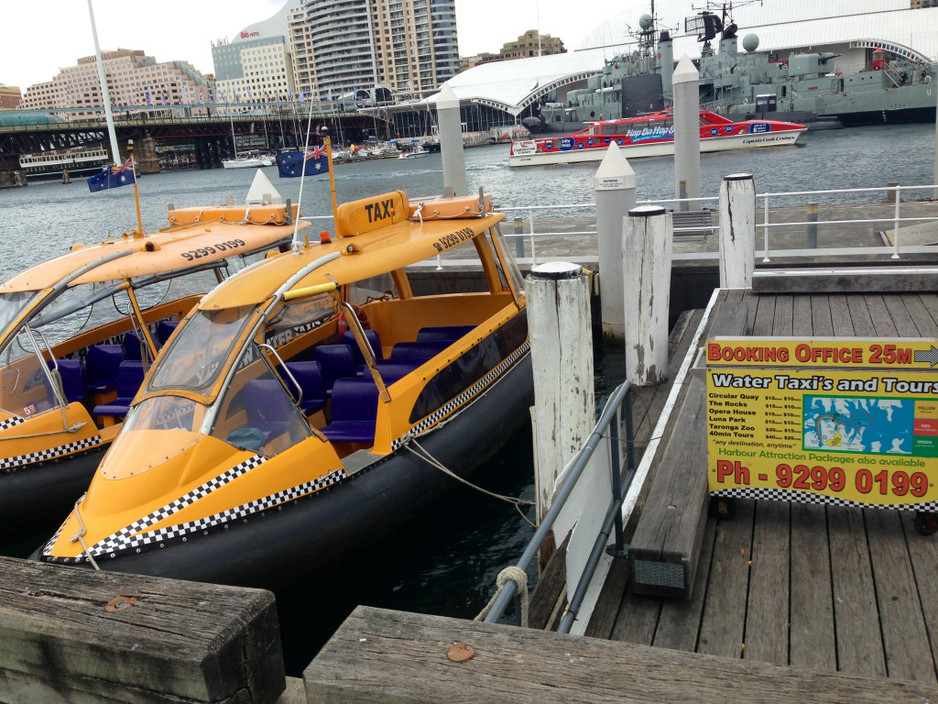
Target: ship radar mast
(707,24)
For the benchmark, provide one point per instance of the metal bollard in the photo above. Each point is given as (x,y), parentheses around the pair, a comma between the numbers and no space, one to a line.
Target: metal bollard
(519,241)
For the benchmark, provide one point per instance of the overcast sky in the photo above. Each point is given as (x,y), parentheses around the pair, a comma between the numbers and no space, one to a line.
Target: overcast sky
(42,36)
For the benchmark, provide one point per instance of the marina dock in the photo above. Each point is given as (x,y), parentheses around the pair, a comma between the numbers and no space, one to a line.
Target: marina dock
(790,602)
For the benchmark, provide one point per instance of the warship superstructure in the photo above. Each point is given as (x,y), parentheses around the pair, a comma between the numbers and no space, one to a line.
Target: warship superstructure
(894,84)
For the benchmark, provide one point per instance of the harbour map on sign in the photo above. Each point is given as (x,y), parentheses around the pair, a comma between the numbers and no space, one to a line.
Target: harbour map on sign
(868,425)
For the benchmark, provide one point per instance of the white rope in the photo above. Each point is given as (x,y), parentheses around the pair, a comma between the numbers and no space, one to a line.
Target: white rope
(433,462)
(80,535)
(521,580)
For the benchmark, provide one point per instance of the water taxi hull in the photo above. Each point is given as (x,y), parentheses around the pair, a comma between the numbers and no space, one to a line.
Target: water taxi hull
(663,148)
(311,534)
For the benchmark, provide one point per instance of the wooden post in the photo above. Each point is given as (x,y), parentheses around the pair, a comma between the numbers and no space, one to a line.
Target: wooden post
(614,184)
(451,145)
(646,259)
(562,359)
(686,81)
(737,231)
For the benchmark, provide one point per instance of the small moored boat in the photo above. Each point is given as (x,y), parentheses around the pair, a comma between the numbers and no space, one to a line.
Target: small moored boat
(651,135)
(78,332)
(305,407)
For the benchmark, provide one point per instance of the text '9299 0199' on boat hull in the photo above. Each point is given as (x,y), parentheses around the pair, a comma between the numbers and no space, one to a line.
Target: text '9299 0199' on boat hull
(651,135)
(300,409)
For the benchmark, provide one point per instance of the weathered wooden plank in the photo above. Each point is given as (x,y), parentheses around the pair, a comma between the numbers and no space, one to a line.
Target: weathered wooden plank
(840,317)
(393,657)
(551,585)
(821,322)
(666,544)
(923,555)
(845,279)
(905,640)
(637,619)
(722,627)
(881,316)
(764,317)
(679,621)
(767,609)
(860,315)
(784,310)
(811,611)
(921,316)
(610,599)
(859,642)
(174,641)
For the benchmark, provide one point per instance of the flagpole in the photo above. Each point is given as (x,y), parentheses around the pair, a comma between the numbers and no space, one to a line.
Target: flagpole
(133,169)
(328,142)
(299,201)
(104,93)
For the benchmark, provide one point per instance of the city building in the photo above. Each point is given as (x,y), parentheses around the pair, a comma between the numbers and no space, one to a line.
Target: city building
(133,80)
(532,43)
(256,66)
(408,47)
(10,97)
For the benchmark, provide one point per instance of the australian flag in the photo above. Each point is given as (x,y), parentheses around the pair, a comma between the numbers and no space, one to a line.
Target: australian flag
(311,162)
(112,177)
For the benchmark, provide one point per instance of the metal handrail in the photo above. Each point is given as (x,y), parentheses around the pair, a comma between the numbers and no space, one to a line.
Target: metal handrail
(605,429)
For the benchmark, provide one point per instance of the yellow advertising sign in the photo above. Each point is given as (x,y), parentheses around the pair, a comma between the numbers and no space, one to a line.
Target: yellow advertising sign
(844,353)
(824,435)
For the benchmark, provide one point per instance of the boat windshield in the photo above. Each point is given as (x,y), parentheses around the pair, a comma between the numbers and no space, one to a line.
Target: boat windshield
(256,413)
(199,350)
(12,304)
(27,388)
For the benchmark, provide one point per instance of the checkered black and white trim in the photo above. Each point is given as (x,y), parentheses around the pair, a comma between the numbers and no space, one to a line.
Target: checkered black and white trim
(10,422)
(50,453)
(454,404)
(823,499)
(135,536)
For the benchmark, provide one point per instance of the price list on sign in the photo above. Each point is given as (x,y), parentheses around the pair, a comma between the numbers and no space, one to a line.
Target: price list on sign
(850,422)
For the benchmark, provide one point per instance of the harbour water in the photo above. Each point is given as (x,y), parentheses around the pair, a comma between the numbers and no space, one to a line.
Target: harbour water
(446,564)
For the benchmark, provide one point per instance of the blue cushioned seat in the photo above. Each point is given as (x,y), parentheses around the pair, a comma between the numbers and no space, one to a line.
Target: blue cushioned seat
(131,346)
(261,398)
(392,371)
(443,332)
(101,367)
(348,338)
(165,329)
(417,352)
(336,362)
(309,376)
(129,379)
(354,410)
(73,379)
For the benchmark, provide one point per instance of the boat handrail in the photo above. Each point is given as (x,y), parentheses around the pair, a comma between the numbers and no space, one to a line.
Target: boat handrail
(605,435)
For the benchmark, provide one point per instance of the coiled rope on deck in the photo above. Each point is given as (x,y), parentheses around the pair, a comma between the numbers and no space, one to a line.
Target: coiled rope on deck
(521,580)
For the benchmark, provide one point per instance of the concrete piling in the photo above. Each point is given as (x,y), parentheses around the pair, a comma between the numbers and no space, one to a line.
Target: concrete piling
(686,81)
(451,145)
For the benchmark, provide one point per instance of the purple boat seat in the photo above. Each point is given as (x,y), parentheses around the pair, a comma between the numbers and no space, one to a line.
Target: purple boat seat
(353,411)
(348,338)
(261,398)
(129,379)
(443,332)
(165,329)
(309,376)
(101,367)
(73,379)
(336,362)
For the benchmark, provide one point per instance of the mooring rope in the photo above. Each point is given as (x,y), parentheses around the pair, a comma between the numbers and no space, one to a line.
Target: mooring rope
(521,580)
(425,455)
(80,535)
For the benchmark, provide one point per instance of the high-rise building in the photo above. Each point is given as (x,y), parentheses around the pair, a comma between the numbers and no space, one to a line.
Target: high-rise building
(133,80)
(10,97)
(406,46)
(256,66)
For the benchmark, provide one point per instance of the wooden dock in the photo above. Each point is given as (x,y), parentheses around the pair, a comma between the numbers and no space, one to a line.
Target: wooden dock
(790,602)
(835,589)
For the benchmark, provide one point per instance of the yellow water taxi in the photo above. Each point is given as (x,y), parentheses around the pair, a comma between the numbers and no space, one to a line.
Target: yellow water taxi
(79,332)
(315,401)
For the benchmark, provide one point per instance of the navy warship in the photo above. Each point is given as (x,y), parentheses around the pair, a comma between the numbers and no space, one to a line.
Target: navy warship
(894,85)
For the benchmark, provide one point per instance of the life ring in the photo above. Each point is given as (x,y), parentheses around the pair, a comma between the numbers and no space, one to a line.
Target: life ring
(359,313)
(927,79)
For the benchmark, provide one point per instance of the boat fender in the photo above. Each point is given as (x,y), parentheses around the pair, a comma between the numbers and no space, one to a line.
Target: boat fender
(359,313)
